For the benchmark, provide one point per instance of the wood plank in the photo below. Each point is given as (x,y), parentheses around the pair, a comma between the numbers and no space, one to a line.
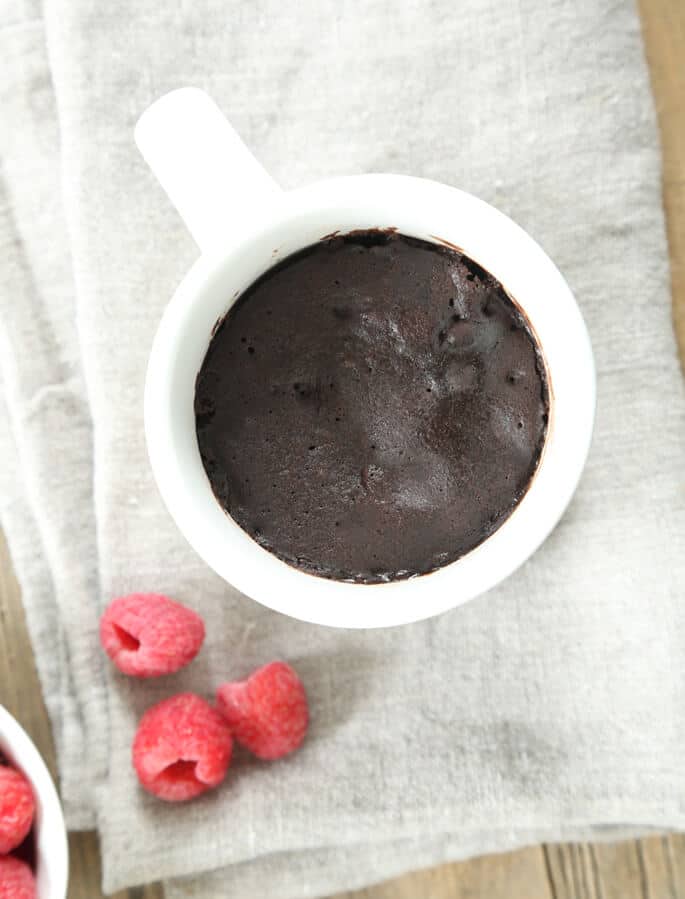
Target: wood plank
(595,872)
(651,868)
(514,875)
(674,852)
(663,26)
(674,201)
(662,874)
(19,685)
(84,854)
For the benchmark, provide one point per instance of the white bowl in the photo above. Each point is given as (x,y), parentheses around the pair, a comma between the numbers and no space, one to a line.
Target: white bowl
(52,853)
(244,224)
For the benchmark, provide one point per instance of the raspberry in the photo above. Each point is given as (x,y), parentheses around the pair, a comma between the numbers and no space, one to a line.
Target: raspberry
(146,635)
(267,713)
(17,807)
(182,748)
(16,879)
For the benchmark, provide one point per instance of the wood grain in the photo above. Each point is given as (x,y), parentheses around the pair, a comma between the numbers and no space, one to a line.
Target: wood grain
(652,868)
(663,27)
(19,685)
(516,875)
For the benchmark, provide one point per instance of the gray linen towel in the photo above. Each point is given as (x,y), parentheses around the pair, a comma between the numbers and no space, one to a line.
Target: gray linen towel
(47,416)
(552,707)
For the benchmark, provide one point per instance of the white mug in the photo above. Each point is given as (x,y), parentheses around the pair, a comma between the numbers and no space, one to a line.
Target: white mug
(243,224)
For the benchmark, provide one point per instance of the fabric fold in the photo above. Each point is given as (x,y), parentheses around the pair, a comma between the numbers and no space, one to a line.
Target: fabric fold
(47,420)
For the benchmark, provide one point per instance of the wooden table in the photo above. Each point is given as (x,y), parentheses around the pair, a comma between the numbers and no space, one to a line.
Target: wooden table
(641,869)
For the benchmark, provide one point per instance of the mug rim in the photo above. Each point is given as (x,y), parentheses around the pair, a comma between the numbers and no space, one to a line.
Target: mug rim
(493,241)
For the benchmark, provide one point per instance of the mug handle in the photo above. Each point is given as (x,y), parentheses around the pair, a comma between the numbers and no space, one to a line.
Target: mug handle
(209,174)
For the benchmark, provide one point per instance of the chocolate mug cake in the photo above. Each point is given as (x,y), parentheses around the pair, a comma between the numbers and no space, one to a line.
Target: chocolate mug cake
(372,408)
